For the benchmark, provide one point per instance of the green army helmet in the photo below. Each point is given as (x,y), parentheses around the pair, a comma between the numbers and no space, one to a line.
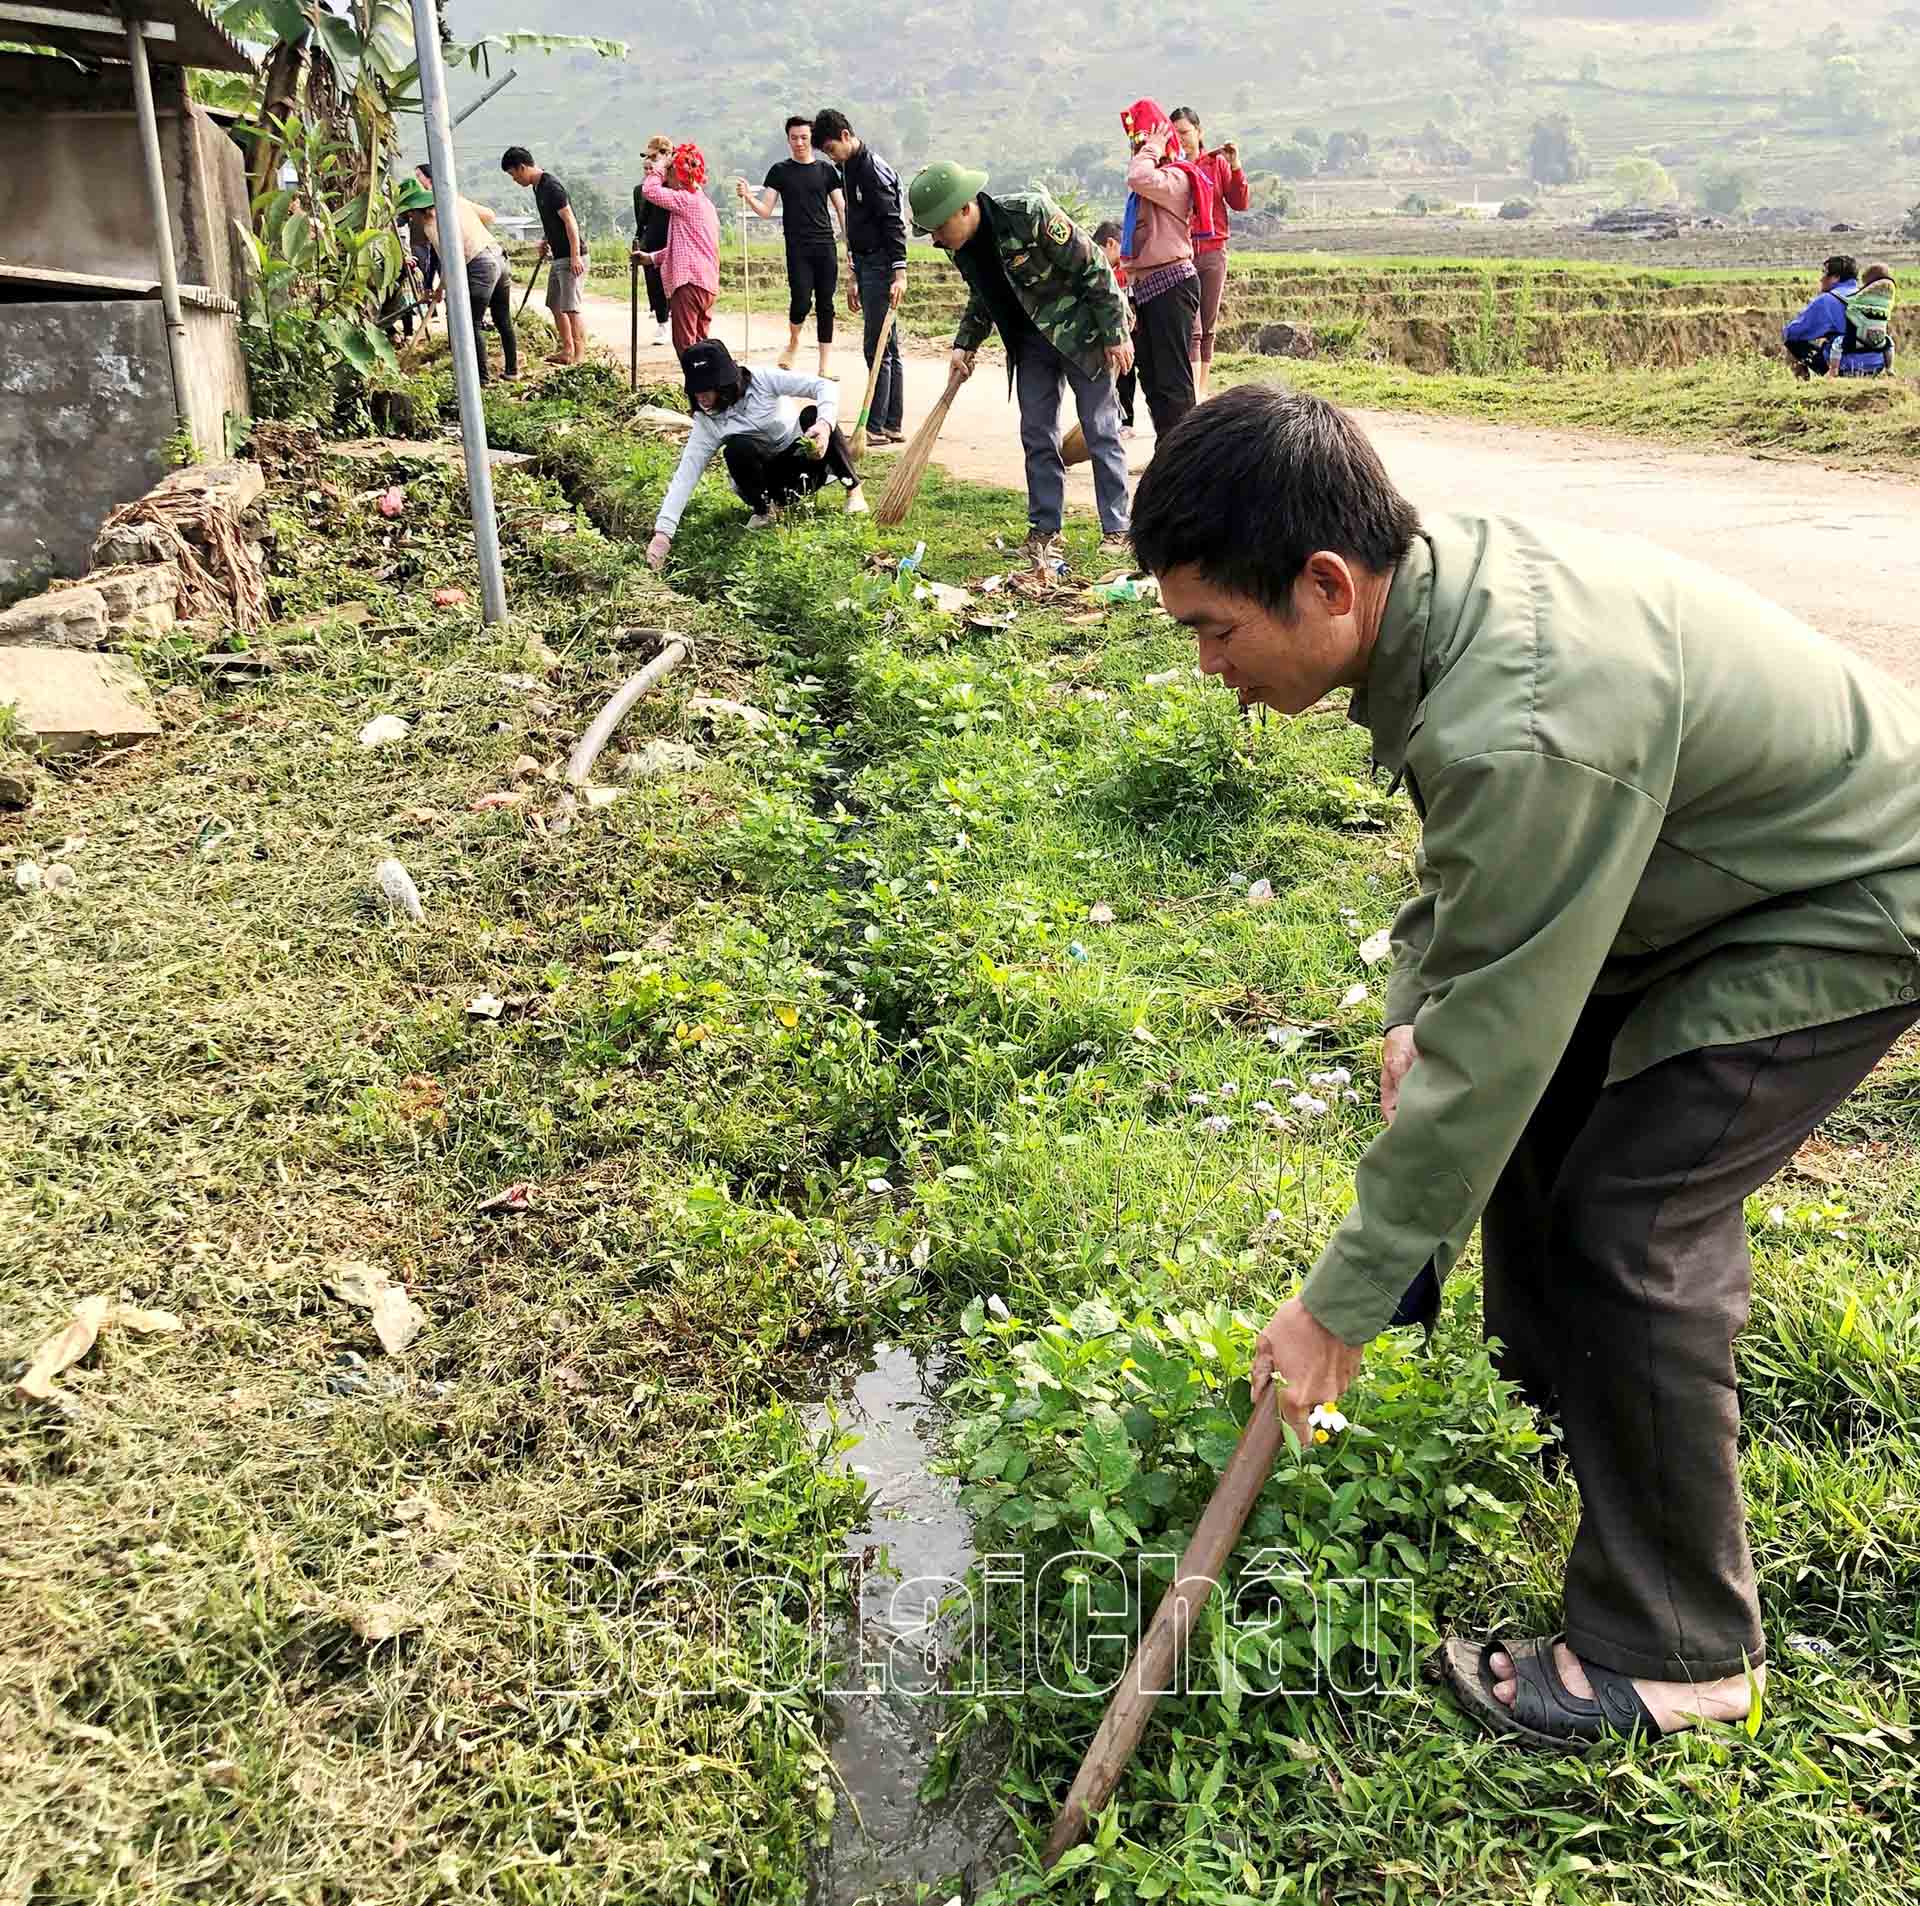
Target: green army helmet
(939,190)
(413,197)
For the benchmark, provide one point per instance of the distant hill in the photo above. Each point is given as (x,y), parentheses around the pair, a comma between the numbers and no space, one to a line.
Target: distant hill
(1354,108)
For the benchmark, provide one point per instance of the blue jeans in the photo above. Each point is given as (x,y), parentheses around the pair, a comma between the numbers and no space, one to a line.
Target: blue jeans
(874,277)
(1042,370)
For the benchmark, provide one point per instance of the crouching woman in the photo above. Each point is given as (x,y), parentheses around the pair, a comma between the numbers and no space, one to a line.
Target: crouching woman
(772,456)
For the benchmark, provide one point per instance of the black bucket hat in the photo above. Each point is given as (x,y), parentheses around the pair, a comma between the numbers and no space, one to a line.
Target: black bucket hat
(709,365)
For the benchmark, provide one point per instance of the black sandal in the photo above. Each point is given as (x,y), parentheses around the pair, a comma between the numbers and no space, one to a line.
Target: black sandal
(1545,1710)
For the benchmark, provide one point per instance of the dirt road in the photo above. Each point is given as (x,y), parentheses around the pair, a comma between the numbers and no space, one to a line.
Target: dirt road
(1840,549)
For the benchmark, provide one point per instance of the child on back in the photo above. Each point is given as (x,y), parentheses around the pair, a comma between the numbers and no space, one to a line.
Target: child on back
(1866,348)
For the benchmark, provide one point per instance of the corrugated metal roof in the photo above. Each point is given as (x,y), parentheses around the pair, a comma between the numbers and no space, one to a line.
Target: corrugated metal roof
(179,32)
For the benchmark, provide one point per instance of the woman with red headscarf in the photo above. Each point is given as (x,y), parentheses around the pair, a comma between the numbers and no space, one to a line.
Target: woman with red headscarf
(690,263)
(1169,203)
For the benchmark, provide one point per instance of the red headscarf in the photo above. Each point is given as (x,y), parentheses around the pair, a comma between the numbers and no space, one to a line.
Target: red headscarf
(689,166)
(1147,124)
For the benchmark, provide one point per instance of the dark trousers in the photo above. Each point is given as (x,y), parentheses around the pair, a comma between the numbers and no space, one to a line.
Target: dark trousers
(1127,388)
(490,293)
(813,276)
(656,294)
(764,480)
(1810,355)
(1617,1277)
(874,276)
(1163,352)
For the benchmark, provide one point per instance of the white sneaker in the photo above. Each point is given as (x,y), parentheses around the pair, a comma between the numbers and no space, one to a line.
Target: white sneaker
(661,336)
(762,519)
(856,501)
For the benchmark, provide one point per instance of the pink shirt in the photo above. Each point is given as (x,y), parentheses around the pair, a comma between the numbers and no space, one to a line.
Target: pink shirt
(692,254)
(1160,233)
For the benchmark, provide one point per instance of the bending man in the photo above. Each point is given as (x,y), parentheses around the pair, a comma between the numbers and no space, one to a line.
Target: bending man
(1668,918)
(1037,278)
(561,241)
(772,457)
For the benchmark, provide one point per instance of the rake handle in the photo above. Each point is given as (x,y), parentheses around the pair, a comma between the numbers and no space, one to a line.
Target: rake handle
(533,278)
(873,375)
(1165,1642)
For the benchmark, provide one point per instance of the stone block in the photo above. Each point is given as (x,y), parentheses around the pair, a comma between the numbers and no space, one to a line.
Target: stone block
(130,588)
(232,486)
(132,543)
(64,618)
(67,699)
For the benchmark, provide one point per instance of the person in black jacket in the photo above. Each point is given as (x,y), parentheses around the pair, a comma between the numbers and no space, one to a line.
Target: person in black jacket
(650,224)
(877,259)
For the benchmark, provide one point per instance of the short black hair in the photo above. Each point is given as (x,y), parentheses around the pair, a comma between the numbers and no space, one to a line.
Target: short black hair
(831,123)
(1246,487)
(515,156)
(1188,114)
(1840,266)
(798,119)
(1105,230)
(425,171)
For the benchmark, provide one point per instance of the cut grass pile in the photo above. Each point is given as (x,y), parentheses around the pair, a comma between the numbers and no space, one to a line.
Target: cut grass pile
(825,1037)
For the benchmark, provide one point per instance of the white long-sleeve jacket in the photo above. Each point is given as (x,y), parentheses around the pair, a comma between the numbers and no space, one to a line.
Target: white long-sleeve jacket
(756,413)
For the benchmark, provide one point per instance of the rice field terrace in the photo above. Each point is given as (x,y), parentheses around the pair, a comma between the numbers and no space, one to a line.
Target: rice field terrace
(955,1008)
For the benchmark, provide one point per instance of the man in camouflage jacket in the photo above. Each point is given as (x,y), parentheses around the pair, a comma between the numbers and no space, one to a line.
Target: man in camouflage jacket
(1037,278)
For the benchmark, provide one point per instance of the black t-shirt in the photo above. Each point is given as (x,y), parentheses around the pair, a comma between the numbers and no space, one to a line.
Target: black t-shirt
(804,191)
(550,200)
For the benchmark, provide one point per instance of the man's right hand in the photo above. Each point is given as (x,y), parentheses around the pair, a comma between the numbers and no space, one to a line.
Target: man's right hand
(658,548)
(962,363)
(853,290)
(1119,359)
(546,250)
(1397,1057)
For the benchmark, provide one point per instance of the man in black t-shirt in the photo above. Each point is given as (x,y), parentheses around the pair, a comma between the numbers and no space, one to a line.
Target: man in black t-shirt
(562,241)
(806,191)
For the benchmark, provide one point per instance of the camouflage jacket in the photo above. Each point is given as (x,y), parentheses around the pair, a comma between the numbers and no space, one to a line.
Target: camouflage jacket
(1060,276)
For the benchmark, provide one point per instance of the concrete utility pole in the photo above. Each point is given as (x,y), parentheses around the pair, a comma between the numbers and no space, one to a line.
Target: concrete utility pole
(460,333)
(149,125)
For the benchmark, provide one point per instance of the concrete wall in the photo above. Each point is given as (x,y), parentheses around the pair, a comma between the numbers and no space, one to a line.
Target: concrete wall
(86,408)
(82,202)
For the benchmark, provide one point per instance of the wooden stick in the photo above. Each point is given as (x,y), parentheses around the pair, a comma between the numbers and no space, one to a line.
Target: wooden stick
(1166,1640)
(532,280)
(857,444)
(903,481)
(633,325)
(746,286)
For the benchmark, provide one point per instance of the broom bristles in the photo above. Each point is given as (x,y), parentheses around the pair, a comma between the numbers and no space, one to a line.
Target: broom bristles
(903,480)
(1073,446)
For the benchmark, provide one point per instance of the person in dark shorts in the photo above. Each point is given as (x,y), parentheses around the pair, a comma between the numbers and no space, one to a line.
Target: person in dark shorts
(806,191)
(563,242)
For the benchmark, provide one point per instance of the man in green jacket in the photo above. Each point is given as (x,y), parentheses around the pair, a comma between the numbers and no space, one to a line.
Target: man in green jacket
(1667,918)
(1034,275)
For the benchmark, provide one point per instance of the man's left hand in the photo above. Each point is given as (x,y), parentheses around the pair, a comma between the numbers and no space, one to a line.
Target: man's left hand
(853,290)
(897,290)
(1312,1365)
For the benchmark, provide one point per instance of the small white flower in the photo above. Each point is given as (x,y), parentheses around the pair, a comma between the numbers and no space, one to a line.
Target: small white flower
(1100,914)
(1260,894)
(1263,1106)
(1376,947)
(1777,1216)
(1334,1075)
(1229,1090)
(1325,1421)
(879,1185)
(1199,1098)
(1307,1105)
(1274,1217)
(1216,1125)
(1351,1096)
(1277,1123)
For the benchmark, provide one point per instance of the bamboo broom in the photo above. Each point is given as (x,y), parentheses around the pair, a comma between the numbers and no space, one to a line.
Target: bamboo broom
(1073,446)
(857,445)
(903,481)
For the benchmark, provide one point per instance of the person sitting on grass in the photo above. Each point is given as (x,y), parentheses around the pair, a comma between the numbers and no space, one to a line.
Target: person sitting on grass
(772,456)
(1667,917)
(1866,346)
(1811,337)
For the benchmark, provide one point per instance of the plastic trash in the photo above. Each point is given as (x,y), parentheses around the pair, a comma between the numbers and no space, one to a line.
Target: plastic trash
(396,884)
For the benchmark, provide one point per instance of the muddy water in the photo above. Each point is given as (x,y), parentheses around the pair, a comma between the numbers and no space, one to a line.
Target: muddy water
(885,1710)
